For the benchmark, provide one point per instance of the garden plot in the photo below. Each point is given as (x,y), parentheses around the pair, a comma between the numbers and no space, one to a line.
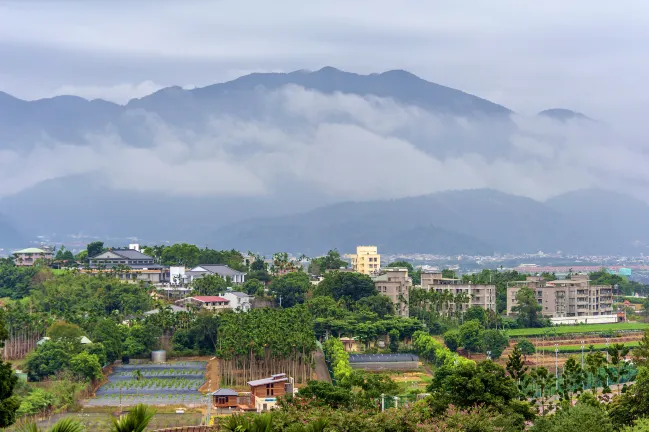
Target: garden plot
(153,384)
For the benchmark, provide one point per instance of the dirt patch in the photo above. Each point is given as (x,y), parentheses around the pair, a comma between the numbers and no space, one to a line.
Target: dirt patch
(212,378)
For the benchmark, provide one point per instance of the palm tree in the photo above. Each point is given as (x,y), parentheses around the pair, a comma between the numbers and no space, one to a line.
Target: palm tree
(135,421)
(64,425)
(240,423)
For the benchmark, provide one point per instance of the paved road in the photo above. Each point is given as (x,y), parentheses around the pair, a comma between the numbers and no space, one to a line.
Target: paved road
(321,367)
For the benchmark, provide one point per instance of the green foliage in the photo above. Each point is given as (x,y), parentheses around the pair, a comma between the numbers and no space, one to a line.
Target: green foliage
(95,248)
(494,341)
(515,365)
(346,286)
(253,287)
(200,336)
(476,313)
(110,335)
(64,331)
(394,340)
(380,305)
(136,420)
(141,340)
(63,425)
(414,274)
(471,336)
(37,401)
(64,255)
(640,425)
(326,394)
(470,384)
(432,350)
(497,278)
(291,287)
(209,285)
(331,261)
(8,402)
(452,340)
(580,418)
(16,282)
(86,366)
(50,358)
(641,352)
(528,308)
(339,361)
(526,347)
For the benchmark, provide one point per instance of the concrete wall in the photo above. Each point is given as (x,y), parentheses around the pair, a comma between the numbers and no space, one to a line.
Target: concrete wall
(599,319)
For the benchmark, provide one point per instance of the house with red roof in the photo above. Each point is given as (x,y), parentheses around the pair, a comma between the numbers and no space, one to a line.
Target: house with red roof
(205,302)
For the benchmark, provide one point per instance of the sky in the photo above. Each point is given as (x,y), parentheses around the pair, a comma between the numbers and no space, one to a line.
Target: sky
(583,55)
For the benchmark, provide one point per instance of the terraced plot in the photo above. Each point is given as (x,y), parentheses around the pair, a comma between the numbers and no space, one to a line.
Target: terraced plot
(153,384)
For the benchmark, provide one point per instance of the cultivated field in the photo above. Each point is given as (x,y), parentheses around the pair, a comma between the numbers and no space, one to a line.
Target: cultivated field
(153,384)
(580,328)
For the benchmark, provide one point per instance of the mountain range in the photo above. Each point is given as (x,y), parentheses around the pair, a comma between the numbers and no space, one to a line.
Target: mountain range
(148,170)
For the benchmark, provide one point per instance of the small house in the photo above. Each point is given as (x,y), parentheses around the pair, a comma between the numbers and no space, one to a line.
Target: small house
(264,392)
(206,302)
(225,398)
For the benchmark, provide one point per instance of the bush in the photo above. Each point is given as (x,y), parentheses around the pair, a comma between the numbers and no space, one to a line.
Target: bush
(452,340)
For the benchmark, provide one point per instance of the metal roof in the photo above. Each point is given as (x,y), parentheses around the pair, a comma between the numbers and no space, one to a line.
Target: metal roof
(225,392)
(271,380)
(238,294)
(131,254)
(382,358)
(219,269)
(31,250)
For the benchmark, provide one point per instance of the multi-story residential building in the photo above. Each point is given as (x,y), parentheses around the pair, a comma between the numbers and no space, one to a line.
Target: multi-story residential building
(29,256)
(395,284)
(212,303)
(572,297)
(238,301)
(366,260)
(132,266)
(483,296)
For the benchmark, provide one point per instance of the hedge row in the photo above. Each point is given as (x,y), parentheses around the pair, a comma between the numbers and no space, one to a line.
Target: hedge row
(434,351)
(339,360)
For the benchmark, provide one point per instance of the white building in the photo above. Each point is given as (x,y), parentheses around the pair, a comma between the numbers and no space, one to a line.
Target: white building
(239,301)
(222,270)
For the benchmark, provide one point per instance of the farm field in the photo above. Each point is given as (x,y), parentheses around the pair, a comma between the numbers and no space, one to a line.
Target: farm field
(581,328)
(600,346)
(415,381)
(153,384)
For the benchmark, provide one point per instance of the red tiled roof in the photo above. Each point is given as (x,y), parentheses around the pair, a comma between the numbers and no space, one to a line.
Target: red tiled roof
(206,299)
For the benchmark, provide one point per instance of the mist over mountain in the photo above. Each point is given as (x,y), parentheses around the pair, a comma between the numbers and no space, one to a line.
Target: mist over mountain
(180,165)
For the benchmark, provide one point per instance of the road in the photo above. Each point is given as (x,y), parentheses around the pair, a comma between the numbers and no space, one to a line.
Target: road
(321,369)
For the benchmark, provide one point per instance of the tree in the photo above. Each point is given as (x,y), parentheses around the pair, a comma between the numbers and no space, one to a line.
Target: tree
(86,366)
(95,248)
(64,255)
(452,340)
(448,274)
(331,261)
(109,334)
(641,352)
(573,378)
(8,380)
(49,359)
(394,340)
(253,287)
(618,353)
(494,341)
(209,285)
(476,313)
(528,308)
(64,331)
(526,348)
(580,418)
(515,365)
(327,394)
(136,420)
(380,305)
(345,285)
(141,340)
(471,336)
(290,288)
(544,381)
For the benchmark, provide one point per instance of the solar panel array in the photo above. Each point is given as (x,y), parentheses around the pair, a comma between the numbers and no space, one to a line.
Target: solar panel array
(379,358)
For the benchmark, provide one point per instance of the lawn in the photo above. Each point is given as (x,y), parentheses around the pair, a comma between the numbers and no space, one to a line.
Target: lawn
(579,328)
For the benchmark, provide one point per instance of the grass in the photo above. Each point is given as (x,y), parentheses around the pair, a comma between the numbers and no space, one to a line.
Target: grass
(579,328)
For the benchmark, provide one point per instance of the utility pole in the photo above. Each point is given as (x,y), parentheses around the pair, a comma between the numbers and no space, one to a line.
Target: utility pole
(382,402)
(280,301)
(582,354)
(209,409)
(556,364)
(607,340)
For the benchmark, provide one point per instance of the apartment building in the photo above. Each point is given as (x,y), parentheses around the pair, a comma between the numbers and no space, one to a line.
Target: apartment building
(29,256)
(483,296)
(572,297)
(366,260)
(394,282)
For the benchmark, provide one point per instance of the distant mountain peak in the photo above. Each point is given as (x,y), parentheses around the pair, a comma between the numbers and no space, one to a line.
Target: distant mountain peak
(563,114)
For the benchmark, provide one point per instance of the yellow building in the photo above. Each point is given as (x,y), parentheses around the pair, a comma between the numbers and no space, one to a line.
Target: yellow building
(366,260)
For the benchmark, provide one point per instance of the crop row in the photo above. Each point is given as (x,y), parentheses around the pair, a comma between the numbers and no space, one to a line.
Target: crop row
(161,373)
(156,383)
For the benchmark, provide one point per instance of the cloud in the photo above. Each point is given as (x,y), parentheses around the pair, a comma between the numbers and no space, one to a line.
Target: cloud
(338,146)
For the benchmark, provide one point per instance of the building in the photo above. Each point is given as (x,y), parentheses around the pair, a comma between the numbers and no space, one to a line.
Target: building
(483,296)
(366,260)
(574,297)
(238,301)
(29,256)
(221,270)
(377,362)
(172,309)
(131,265)
(212,303)
(264,392)
(225,398)
(395,283)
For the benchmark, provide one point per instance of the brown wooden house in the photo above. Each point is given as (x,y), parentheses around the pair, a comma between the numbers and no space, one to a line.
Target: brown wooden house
(225,398)
(264,392)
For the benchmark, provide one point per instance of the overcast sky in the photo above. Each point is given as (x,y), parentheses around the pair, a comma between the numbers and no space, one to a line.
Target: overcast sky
(591,56)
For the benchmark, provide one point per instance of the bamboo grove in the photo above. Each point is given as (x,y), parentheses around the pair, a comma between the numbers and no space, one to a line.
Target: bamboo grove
(263,342)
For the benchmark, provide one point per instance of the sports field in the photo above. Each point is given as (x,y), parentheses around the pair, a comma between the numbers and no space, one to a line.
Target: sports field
(579,328)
